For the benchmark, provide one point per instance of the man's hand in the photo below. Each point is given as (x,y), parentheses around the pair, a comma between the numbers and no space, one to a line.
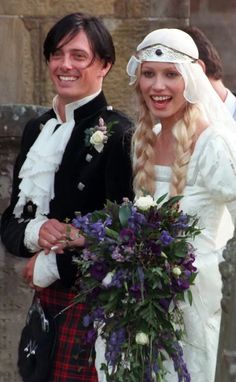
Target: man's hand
(56,236)
(52,234)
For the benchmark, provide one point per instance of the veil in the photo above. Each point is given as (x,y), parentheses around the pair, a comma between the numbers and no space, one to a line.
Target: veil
(198,90)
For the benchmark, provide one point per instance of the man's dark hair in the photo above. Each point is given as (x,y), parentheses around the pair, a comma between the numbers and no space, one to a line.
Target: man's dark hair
(69,26)
(207,52)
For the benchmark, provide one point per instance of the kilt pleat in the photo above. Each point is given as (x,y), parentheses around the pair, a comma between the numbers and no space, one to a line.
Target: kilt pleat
(72,355)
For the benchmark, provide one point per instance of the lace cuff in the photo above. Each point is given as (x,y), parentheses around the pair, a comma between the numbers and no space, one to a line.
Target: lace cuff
(32,233)
(45,270)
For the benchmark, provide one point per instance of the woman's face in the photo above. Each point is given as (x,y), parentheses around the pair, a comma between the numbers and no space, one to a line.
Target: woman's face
(162,88)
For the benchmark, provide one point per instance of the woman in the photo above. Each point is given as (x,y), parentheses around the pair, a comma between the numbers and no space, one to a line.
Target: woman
(190,152)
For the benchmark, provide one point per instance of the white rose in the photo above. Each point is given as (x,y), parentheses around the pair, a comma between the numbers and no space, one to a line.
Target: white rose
(98,139)
(176,271)
(145,202)
(141,338)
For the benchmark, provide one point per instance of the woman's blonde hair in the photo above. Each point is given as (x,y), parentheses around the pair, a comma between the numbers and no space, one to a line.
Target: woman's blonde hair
(143,144)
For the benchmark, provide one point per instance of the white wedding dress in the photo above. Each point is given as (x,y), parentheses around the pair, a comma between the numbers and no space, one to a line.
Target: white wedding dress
(210,189)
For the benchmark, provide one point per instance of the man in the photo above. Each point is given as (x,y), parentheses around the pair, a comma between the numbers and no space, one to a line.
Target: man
(212,65)
(72,158)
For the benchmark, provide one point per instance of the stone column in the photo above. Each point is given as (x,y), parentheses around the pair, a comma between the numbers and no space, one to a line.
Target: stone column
(15,295)
(226,360)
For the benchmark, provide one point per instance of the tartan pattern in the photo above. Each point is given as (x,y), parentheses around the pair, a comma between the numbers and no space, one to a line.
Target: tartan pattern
(71,363)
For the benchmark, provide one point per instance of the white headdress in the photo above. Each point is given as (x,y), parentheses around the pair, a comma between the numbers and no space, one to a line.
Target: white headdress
(176,46)
(163,45)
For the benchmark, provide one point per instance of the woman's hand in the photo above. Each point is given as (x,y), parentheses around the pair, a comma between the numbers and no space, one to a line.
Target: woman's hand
(73,237)
(56,236)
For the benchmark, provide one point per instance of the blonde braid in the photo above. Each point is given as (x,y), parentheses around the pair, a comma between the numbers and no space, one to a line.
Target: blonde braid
(185,134)
(143,152)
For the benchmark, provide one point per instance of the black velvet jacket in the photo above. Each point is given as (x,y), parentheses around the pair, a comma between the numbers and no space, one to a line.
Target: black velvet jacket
(82,183)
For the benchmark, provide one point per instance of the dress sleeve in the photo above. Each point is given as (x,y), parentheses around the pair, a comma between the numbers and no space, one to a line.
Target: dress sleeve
(217,166)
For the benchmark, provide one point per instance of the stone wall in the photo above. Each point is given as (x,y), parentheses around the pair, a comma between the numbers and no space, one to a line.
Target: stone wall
(217,19)
(24,24)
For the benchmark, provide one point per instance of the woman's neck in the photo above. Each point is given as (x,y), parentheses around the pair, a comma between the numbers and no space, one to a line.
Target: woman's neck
(164,147)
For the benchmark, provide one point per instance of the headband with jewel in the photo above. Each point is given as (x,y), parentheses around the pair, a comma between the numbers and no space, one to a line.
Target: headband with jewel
(162,53)
(163,45)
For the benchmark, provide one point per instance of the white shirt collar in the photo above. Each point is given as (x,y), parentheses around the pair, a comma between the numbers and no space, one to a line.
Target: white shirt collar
(230,102)
(71,107)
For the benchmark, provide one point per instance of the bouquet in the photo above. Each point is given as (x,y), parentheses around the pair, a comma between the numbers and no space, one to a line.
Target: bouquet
(135,268)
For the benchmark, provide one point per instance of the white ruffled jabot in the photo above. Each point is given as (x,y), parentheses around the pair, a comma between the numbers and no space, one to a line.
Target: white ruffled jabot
(42,161)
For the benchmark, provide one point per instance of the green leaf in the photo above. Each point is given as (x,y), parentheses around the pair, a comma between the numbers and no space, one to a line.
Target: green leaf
(159,200)
(124,214)
(190,297)
(173,200)
(111,233)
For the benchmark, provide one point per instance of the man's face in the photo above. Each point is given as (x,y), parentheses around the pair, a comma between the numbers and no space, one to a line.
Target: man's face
(74,71)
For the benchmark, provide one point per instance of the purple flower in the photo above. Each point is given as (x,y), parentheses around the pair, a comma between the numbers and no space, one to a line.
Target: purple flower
(154,218)
(82,222)
(118,278)
(116,255)
(98,314)
(140,274)
(165,238)
(113,348)
(87,255)
(136,220)
(86,320)
(179,285)
(97,230)
(154,247)
(127,236)
(98,271)
(135,291)
(179,364)
(165,303)
(91,336)
(182,222)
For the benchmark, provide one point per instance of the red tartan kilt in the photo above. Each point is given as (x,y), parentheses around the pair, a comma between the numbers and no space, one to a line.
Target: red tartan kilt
(71,363)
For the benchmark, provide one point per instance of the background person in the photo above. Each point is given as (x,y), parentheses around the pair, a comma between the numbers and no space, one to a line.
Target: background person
(212,66)
(192,155)
(59,171)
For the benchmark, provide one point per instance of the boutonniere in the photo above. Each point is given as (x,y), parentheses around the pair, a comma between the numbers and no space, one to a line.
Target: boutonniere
(98,135)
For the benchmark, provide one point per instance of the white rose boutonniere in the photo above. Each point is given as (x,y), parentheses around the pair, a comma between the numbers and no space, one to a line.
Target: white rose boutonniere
(97,136)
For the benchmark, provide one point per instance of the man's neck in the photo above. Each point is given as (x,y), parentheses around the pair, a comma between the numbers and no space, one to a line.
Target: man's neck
(219,88)
(66,109)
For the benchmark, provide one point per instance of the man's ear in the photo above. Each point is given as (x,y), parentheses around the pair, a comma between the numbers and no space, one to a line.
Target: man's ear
(202,64)
(105,69)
